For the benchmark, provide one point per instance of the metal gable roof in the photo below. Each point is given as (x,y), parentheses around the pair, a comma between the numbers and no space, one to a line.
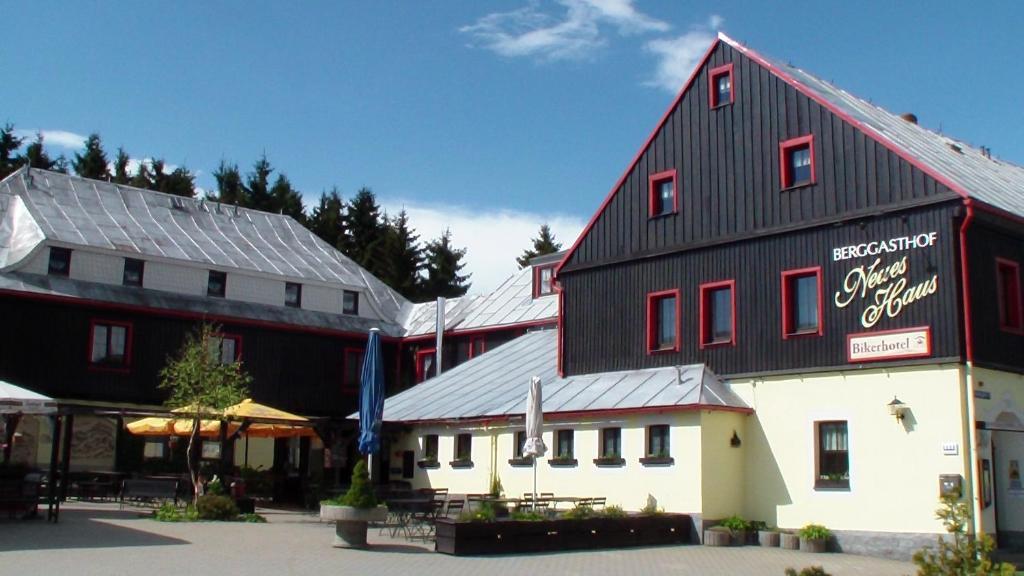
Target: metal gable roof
(511,303)
(494,385)
(80,212)
(961,166)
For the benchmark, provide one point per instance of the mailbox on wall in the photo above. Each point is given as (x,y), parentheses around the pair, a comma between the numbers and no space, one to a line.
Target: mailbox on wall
(950,485)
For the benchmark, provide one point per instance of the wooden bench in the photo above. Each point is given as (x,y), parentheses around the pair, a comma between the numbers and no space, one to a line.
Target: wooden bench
(146,491)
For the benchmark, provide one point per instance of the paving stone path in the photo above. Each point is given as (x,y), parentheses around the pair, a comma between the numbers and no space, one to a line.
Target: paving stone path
(100,539)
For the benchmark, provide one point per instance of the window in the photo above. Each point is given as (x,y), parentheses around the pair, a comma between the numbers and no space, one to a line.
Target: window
(543,277)
(720,86)
(718,313)
(351,371)
(226,347)
(154,449)
(425,368)
(520,443)
(611,443)
(430,447)
(111,344)
(211,450)
(662,193)
(796,158)
(833,455)
(60,262)
(133,271)
(1008,292)
(476,346)
(464,447)
(293,295)
(657,441)
(564,444)
(801,302)
(216,284)
(350,302)
(663,321)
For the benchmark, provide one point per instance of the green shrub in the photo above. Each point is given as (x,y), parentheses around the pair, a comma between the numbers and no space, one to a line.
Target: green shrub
(736,524)
(815,532)
(579,513)
(252,518)
(527,516)
(213,507)
(613,511)
(496,487)
(809,571)
(168,512)
(961,553)
(215,487)
(360,493)
(191,513)
(485,513)
(757,526)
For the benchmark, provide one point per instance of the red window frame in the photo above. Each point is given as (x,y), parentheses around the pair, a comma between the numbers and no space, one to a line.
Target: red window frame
(1011,305)
(715,74)
(788,330)
(350,387)
(536,281)
(652,326)
(477,345)
(124,366)
(421,356)
(705,313)
(785,173)
(653,200)
(229,336)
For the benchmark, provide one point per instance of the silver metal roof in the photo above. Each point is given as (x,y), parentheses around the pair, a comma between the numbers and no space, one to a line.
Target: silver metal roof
(495,385)
(510,303)
(73,211)
(989,180)
(421,318)
(158,299)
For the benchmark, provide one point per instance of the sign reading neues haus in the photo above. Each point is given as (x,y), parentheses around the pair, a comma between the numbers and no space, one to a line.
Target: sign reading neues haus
(889,344)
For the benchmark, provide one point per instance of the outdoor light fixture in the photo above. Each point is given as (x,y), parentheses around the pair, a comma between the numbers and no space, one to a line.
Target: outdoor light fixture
(897,408)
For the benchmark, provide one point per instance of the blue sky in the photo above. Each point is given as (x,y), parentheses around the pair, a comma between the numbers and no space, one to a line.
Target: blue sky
(489,117)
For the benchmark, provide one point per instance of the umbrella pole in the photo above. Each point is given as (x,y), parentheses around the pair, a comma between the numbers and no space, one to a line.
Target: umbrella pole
(534,482)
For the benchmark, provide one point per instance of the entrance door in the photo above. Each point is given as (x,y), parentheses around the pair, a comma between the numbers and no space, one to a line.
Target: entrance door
(1008,486)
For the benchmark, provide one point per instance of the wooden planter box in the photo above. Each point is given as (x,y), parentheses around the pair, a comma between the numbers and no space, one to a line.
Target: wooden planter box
(719,538)
(768,538)
(816,546)
(789,541)
(512,536)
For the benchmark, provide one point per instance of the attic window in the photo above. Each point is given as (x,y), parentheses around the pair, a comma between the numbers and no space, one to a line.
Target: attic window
(133,272)
(350,302)
(796,159)
(293,295)
(543,283)
(60,262)
(720,92)
(216,284)
(662,195)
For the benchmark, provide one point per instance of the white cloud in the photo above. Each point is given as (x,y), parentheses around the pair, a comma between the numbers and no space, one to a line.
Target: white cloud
(677,57)
(58,138)
(530,31)
(493,239)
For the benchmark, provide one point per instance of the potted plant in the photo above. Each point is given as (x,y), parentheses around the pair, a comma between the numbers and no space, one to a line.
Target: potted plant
(352,512)
(814,538)
(718,536)
(738,527)
(767,536)
(789,540)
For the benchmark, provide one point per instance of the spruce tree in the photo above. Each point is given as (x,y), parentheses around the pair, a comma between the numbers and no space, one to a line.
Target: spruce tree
(229,185)
(543,244)
(286,200)
(121,168)
(142,178)
(92,162)
(36,156)
(9,145)
(366,232)
(326,219)
(403,256)
(257,185)
(443,264)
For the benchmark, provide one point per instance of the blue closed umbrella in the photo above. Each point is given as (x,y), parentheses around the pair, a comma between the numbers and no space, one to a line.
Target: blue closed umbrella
(371,396)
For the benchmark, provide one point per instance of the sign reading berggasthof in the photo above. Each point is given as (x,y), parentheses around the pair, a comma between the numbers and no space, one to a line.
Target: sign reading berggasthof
(884,285)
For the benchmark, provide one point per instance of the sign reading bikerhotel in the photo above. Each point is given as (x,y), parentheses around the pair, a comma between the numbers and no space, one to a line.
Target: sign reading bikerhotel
(873,346)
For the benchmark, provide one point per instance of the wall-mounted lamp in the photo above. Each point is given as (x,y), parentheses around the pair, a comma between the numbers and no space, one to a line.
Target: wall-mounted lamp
(735,440)
(897,408)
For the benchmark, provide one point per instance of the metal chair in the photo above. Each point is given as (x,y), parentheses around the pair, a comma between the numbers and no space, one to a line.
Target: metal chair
(456,507)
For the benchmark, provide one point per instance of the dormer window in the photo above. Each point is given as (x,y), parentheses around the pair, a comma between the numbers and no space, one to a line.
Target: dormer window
(350,302)
(662,196)
(543,280)
(720,86)
(796,158)
(60,262)
(293,295)
(216,284)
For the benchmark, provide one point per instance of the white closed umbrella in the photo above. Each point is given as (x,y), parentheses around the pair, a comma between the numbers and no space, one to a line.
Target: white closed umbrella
(534,429)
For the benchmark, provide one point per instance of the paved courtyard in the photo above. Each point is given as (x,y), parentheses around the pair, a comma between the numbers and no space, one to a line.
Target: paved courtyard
(100,539)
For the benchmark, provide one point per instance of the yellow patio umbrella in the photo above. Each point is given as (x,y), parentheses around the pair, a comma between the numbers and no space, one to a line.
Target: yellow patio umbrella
(157,426)
(247,409)
(278,431)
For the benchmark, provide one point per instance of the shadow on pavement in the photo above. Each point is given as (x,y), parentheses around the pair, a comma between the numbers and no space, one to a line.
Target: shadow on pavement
(79,529)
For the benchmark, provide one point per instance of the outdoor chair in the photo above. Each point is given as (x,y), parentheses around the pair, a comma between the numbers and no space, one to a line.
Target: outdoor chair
(423,522)
(456,507)
(598,502)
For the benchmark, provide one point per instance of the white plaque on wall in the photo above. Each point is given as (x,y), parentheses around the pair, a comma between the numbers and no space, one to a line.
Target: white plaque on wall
(889,344)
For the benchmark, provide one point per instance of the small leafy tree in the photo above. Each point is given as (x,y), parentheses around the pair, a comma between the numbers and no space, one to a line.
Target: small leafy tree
(960,553)
(201,386)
